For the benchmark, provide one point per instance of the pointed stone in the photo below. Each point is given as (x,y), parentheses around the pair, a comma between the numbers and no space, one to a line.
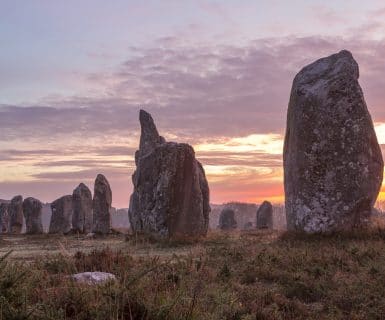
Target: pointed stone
(16,214)
(61,218)
(265,216)
(333,164)
(82,209)
(171,193)
(149,137)
(102,205)
(32,209)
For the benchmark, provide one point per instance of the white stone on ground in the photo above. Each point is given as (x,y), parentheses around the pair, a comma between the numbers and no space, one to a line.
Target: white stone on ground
(95,277)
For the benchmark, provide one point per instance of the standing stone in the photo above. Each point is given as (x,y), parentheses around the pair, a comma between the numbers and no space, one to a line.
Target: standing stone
(265,216)
(4,217)
(171,193)
(15,211)
(227,219)
(82,209)
(332,161)
(32,214)
(61,215)
(102,205)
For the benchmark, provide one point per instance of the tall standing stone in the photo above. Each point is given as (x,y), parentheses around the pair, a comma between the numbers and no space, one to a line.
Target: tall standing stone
(171,193)
(15,211)
(332,161)
(265,216)
(32,213)
(102,205)
(61,218)
(4,217)
(82,209)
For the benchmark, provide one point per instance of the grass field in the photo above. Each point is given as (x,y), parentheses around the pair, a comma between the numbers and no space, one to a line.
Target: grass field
(240,275)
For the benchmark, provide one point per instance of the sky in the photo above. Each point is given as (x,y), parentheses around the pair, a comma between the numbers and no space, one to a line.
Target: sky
(215,74)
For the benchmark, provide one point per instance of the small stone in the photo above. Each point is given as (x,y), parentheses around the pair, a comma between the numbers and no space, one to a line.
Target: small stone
(90,235)
(93,278)
(248,226)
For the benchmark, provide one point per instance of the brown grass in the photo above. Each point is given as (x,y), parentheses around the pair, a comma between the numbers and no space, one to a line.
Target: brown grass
(240,275)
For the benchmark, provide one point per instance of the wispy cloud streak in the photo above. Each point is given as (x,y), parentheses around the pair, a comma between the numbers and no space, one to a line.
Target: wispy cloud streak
(213,97)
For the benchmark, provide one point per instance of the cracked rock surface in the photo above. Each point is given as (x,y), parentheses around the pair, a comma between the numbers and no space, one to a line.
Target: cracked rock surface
(333,165)
(171,193)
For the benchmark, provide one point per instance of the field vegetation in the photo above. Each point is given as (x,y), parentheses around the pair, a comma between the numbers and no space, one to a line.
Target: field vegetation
(237,275)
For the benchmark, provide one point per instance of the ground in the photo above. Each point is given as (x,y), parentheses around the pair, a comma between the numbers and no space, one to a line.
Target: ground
(236,275)
(28,248)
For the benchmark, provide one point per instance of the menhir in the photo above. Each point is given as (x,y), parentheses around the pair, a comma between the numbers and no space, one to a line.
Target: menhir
(61,215)
(265,216)
(332,161)
(32,209)
(171,193)
(4,217)
(82,209)
(227,219)
(15,210)
(101,205)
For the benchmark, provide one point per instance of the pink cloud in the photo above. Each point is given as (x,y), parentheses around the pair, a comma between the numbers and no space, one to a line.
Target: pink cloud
(195,94)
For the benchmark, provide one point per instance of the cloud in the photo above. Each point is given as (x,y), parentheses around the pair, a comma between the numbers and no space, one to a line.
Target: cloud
(328,16)
(197,92)
(88,174)
(203,95)
(251,159)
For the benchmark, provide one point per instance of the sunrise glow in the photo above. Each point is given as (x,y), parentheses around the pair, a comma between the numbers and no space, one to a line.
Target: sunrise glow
(70,93)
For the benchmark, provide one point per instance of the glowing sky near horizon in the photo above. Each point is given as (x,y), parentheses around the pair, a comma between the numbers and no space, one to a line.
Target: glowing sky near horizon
(215,74)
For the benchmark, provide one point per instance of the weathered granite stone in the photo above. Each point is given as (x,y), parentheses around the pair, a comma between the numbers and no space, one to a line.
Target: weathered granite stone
(61,215)
(4,217)
(15,211)
(265,216)
(102,205)
(171,193)
(32,214)
(227,220)
(332,161)
(82,209)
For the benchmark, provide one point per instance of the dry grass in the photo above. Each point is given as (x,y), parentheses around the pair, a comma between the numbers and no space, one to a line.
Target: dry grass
(241,275)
